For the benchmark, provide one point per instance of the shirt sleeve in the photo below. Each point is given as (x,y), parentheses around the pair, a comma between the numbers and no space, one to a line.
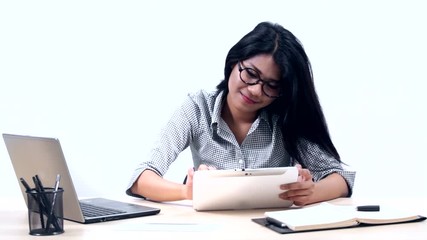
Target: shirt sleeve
(172,140)
(322,164)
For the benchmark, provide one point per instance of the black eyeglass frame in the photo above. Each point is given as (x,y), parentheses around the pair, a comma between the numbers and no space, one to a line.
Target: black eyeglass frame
(251,70)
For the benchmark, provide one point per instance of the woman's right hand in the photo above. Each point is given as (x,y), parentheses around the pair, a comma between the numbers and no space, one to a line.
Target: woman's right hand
(189,183)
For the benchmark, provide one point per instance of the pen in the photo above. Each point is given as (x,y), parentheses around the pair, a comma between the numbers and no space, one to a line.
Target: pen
(368,208)
(52,207)
(58,178)
(274,222)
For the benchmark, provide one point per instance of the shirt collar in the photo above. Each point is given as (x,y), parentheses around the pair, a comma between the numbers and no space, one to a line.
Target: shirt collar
(216,115)
(219,103)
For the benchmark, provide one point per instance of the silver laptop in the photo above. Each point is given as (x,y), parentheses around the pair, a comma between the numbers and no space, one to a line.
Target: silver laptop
(44,157)
(241,188)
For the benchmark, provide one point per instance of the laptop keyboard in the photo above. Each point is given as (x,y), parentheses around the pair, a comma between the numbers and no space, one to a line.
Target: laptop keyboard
(90,210)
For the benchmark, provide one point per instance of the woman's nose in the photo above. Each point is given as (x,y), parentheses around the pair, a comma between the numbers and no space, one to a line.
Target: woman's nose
(256,89)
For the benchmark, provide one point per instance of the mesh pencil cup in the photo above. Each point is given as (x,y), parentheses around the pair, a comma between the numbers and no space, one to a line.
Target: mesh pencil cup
(45,211)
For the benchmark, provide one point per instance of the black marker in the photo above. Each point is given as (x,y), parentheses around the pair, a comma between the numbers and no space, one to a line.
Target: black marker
(28,189)
(38,183)
(368,208)
(42,207)
(25,184)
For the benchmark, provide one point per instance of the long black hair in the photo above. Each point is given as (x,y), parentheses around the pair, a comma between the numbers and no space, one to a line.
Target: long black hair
(298,108)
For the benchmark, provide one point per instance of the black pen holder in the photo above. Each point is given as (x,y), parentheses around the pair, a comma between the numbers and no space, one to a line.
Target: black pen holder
(45,211)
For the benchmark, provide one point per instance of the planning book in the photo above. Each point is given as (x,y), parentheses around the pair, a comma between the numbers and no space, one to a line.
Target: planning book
(329,216)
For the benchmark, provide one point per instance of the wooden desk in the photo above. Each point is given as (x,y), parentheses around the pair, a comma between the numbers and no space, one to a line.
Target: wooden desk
(179,221)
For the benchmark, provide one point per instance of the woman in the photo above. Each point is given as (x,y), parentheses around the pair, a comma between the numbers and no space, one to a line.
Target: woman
(265,113)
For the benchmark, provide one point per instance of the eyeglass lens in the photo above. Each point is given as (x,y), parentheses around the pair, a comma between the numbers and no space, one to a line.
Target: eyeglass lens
(251,77)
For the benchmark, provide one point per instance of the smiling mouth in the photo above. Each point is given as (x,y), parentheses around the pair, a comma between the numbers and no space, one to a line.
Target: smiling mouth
(247,99)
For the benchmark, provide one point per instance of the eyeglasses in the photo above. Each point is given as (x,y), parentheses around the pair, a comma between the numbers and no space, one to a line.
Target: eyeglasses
(250,76)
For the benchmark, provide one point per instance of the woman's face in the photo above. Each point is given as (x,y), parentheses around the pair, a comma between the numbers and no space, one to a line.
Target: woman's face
(251,98)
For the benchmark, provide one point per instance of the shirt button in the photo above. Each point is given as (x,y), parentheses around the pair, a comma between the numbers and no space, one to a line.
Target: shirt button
(240,161)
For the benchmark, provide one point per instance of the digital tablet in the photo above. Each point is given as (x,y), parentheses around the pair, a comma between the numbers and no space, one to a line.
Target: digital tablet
(241,188)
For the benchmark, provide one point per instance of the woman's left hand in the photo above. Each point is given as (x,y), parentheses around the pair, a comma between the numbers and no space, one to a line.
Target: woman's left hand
(300,192)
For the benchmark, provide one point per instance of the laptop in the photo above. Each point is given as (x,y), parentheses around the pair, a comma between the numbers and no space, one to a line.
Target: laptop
(43,156)
(241,188)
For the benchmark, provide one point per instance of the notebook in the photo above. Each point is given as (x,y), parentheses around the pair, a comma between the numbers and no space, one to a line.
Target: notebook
(327,216)
(44,157)
(241,188)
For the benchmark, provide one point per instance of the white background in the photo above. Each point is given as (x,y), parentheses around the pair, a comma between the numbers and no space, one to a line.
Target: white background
(104,76)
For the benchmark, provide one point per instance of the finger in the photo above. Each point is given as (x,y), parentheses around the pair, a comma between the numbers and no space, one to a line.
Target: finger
(301,201)
(288,186)
(298,200)
(305,175)
(211,168)
(190,174)
(190,171)
(295,185)
(286,196)
(300,170)
(292,187)
(297,193)
(206,167)
(203,167)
